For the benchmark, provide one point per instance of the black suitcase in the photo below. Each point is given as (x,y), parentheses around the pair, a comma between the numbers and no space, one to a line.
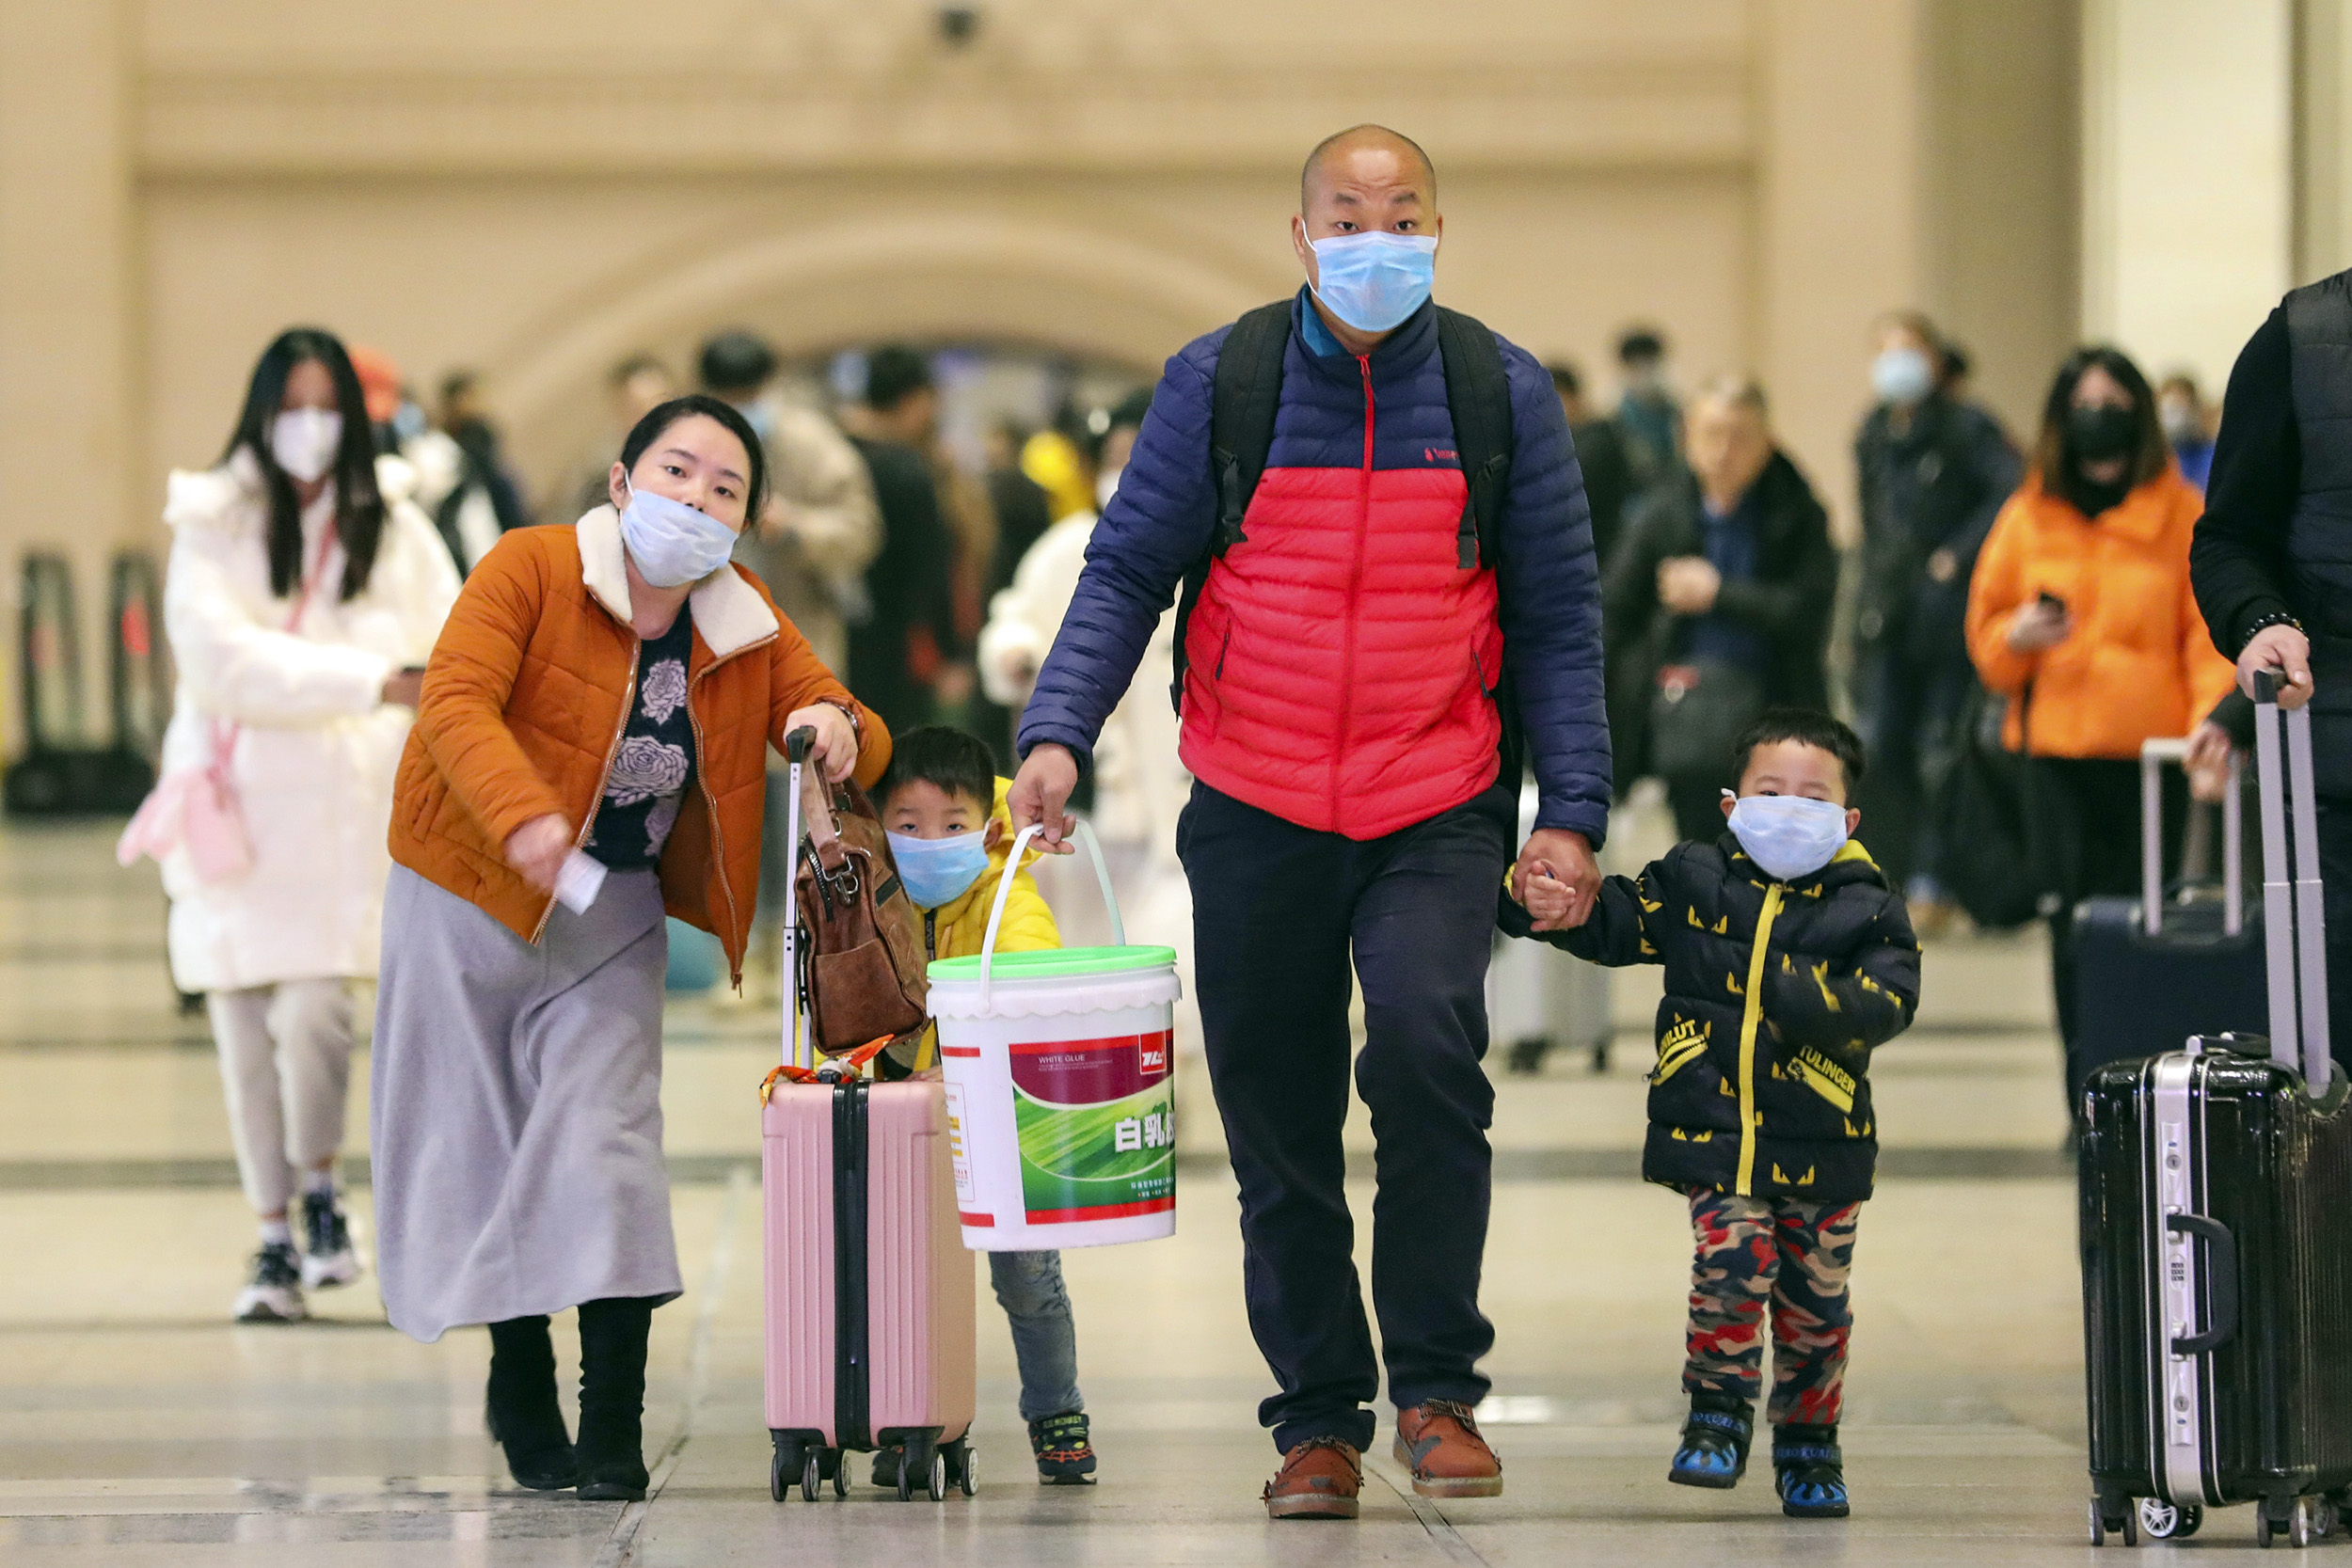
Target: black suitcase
(2217,1238)
(2152,971)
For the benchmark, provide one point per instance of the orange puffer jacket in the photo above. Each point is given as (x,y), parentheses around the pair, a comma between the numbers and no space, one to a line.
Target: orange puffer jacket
(2138,663)
(525,700)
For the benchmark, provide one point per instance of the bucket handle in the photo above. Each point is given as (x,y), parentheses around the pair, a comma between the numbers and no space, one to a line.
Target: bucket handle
(1004,891)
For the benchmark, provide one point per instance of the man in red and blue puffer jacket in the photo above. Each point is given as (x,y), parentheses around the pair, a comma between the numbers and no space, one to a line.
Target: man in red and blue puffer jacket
(1355,666)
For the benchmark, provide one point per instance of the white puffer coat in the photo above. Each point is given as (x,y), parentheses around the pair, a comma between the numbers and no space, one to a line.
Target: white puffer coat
(316,745)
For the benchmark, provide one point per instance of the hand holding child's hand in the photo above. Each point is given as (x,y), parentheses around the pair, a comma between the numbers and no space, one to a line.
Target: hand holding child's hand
(1549,899)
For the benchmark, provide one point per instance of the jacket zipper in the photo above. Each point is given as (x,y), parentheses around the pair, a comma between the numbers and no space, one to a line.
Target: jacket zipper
(1354,586)
(1751,1018)
(596,802)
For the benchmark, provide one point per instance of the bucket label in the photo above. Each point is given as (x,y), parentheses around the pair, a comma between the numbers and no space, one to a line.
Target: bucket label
(1097,1126)
(959,1151)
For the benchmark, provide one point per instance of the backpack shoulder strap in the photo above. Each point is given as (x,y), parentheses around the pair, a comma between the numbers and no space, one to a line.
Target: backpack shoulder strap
(1243,403)
(1478,395)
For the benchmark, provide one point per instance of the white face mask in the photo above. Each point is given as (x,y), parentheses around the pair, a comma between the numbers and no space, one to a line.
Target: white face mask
(672,543)
(304,441)
(1106,486)
(1789,835)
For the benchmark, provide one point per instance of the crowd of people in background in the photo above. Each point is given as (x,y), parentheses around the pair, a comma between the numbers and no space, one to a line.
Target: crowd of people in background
(938,587)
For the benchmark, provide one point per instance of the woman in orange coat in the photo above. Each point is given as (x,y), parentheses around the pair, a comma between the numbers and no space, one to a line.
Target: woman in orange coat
(2080,614)
(590,749)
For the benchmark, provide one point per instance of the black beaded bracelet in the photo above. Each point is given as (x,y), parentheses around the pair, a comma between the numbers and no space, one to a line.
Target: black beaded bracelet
(2263,623)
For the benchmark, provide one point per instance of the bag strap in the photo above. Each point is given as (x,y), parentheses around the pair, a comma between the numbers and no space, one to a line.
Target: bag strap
(1478,396)
(1243,401)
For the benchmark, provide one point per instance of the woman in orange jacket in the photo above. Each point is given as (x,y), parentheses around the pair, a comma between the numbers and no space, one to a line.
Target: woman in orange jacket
(589,750)
(2080,614)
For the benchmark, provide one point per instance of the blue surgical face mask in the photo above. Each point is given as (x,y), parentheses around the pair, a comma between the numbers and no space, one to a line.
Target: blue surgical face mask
(1373,281)
(1902,375)
(938,871)
(672,543)
(1789,835)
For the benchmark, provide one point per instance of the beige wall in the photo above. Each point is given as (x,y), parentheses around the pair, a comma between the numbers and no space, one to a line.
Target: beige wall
(536,187)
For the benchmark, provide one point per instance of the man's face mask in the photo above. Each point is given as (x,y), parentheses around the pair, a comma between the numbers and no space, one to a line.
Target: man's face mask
(1373,281)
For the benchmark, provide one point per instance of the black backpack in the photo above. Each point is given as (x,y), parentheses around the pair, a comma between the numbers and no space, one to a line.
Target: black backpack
(1247,393)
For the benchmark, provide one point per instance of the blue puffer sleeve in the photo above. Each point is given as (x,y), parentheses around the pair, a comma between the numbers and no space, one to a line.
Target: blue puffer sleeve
(1550,588)
(1155,527)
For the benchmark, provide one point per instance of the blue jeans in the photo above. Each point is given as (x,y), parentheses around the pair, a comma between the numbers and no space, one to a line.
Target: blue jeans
(1044,1342)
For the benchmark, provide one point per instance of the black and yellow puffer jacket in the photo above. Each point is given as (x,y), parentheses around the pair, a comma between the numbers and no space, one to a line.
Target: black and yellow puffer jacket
(1762,1084)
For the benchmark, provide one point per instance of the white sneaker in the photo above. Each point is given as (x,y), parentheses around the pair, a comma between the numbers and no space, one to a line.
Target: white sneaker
(275,1297)
(328,1258)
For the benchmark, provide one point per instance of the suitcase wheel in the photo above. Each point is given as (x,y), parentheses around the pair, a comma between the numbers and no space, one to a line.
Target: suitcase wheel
(2164,1521)
(2103,1523)
(938,1480)
(783,1468)
(841,1474)
(960,1462)
(812,1475)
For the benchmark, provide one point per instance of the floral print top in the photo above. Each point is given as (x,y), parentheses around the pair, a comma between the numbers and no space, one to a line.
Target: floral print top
(655,761)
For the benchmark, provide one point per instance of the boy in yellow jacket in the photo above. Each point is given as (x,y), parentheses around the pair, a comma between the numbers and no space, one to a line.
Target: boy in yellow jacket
(944,807)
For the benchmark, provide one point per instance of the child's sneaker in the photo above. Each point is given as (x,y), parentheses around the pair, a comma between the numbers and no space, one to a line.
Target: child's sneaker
(1715,1438)
(1064,1457)
(1810,1471)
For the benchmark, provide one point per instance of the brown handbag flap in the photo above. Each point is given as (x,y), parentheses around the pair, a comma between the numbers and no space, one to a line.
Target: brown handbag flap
(866,972)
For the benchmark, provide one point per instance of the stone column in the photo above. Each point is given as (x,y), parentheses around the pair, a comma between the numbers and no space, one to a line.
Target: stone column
(1839,215)
(2187,177)
(70,454)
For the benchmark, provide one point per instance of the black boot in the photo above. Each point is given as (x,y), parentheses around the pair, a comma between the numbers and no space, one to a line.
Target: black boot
(523,1418)
(612,1398)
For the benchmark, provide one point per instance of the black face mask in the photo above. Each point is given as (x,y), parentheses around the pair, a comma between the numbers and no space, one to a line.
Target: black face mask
(2103,433)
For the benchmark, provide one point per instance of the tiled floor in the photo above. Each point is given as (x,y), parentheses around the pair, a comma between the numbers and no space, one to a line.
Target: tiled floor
(136,1426)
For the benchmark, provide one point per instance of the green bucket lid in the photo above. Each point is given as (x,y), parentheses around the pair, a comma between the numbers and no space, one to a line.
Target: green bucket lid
(1055,963)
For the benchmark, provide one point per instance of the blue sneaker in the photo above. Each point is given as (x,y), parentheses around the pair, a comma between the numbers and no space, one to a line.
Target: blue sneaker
(1715,1438)
(1809,1471)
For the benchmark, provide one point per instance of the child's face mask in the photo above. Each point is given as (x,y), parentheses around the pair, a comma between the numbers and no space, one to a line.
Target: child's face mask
(938,871)
(1789,835)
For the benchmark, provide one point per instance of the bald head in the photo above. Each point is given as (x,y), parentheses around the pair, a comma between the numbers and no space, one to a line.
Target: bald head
(1392,153)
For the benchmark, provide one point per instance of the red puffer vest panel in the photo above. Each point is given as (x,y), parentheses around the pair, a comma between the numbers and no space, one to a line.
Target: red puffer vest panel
(1341,664)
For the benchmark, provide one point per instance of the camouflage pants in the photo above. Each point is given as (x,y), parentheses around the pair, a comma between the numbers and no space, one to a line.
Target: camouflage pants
(1796,1254)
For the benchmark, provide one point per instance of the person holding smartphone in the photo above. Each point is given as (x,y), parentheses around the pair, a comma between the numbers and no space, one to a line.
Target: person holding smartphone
(2081,614)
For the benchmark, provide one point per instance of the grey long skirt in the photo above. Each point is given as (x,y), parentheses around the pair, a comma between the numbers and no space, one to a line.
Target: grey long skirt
(517,1108)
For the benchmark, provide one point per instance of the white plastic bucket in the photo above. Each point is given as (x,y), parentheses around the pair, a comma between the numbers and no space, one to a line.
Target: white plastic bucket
(1061,1068)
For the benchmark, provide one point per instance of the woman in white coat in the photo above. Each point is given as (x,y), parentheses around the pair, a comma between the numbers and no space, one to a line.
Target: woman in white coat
(302,596)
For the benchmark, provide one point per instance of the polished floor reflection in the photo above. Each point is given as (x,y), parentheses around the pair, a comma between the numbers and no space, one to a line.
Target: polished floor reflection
(138,1426)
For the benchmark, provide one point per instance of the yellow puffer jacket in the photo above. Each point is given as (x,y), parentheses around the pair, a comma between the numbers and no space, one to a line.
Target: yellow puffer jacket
(957,929)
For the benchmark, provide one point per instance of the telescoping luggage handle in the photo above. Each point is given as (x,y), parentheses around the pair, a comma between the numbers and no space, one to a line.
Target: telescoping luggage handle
(2293,924)
(2154,754)
(797,1050)
(1004,891)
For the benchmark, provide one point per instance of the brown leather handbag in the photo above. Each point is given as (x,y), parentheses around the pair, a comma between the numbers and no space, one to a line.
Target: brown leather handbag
(863,971)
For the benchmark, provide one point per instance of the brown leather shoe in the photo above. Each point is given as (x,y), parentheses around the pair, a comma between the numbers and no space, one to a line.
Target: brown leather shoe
(1318,1481)
(1437,1441)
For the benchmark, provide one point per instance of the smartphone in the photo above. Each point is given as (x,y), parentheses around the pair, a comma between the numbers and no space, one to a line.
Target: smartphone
(2046,597)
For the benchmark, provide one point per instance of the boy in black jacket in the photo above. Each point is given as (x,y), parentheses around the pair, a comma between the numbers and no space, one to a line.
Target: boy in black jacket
(1788,959)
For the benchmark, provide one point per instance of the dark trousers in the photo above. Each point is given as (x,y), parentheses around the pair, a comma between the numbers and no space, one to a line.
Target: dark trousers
(1907,711)
(2088,832)
(1277,909)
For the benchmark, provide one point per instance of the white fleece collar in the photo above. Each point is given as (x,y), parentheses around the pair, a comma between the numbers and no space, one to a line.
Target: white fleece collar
(728,612)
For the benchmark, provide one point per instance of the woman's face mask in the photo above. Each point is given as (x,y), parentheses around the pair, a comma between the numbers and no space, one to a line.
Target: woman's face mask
(938,871)
(304,441)
(1789,835)
(672,543)
(1902,375)
(1373,280)
(2102,432)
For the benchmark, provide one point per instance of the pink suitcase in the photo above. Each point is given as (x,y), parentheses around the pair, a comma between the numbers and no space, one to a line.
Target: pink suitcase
(869,1287)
